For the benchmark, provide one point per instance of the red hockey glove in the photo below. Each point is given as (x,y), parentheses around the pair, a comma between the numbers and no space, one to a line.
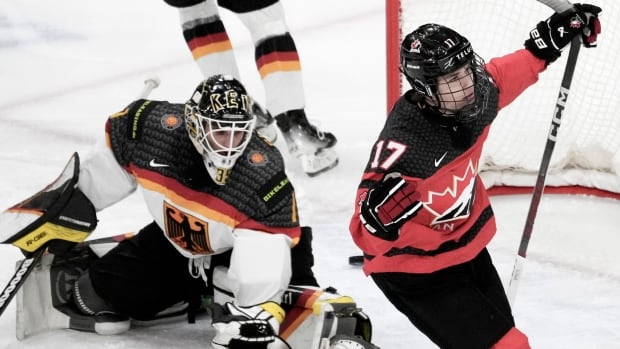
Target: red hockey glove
(388,205)
(550,36)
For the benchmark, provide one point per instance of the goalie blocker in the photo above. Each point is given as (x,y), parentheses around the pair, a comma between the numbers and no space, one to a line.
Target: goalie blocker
(315,318)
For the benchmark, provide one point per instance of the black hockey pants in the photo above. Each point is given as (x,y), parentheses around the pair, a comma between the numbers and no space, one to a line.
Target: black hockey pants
(144,275)
(462,307)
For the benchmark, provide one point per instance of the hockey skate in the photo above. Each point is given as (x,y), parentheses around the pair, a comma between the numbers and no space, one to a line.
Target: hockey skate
(313,147)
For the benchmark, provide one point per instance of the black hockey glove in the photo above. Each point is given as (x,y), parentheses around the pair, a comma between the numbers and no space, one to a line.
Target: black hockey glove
(550,36)
(388,205)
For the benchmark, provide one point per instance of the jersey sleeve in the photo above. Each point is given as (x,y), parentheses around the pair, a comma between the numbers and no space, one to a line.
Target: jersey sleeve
(103,176)
(513,73)
(102,179)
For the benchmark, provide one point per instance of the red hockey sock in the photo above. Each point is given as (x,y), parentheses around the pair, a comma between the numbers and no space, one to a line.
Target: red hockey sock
(513,339)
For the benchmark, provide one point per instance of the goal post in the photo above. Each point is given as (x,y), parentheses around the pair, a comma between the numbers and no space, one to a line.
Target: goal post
(586,158)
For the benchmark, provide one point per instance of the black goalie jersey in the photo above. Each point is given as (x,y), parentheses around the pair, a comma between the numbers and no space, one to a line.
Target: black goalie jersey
(147,146)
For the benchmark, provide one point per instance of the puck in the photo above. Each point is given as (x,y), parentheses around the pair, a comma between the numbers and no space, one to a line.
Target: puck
(356,260)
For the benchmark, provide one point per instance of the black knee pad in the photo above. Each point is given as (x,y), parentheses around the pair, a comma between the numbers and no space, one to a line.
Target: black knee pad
(87,300)
(183,3)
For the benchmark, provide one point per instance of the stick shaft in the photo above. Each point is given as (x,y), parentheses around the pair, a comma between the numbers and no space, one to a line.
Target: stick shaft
(149,84)
(25,268)
(558,6)
(544,166)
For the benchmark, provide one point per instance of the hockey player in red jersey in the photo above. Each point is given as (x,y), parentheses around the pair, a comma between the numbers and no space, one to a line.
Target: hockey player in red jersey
(422,215)
(277,62)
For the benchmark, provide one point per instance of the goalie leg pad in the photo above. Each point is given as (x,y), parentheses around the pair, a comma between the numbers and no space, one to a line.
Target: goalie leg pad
(35,311)
(318,315)
(349,342)
(45,301)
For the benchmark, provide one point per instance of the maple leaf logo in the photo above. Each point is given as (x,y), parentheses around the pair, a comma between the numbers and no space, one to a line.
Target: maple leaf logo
(455,202)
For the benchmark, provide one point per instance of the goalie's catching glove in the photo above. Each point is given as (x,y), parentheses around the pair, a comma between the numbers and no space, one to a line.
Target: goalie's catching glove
(550,36)
(254,327)
(388,205)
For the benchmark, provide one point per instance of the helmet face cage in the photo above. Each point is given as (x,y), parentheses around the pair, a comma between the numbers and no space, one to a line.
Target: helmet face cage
(433,51)
(223,141)
(220,123)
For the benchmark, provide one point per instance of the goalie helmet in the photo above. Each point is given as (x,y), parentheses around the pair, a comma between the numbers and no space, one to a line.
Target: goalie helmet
(433,51)
(220,122)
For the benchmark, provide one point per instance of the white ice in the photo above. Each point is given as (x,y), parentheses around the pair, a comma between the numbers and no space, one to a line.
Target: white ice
(66,65)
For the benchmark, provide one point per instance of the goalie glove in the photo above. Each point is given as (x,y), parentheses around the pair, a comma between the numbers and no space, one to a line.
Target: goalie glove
(550,36)
(254,327)
(388,205)
(57,217)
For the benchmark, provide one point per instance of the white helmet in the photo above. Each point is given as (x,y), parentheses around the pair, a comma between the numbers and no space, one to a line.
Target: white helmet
(220,122)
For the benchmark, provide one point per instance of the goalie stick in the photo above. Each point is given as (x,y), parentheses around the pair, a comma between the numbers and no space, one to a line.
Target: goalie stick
(27,265)
(22,272)
(558,6)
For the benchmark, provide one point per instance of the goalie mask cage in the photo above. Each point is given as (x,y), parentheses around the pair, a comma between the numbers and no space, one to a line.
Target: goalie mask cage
(586,158)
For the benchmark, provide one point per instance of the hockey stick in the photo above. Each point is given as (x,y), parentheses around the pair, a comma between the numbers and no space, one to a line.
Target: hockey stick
(149,84)
(558,6)
(107,239)
(22,272)
(546,158)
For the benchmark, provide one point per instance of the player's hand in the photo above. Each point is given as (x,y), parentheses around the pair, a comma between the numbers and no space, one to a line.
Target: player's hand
(550,36)
(388,205)
(254,327)
(592,23)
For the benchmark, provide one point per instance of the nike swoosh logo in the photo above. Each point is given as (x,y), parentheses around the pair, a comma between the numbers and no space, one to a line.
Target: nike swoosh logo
(438,161)
(152,163)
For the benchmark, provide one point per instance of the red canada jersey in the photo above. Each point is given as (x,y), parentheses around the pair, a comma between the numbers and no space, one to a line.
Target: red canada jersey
(456,221)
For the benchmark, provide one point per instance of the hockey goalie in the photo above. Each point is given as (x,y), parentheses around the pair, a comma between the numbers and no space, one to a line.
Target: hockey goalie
(224,242)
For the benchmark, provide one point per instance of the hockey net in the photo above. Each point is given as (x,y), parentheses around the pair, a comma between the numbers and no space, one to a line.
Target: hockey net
(586,158)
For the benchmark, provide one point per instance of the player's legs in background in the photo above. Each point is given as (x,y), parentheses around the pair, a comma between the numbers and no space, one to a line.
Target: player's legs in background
(278,64)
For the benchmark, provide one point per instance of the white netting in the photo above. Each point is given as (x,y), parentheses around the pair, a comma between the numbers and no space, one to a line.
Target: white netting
(587,150)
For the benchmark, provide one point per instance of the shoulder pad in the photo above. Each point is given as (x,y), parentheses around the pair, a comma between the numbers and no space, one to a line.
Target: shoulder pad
(137,112)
